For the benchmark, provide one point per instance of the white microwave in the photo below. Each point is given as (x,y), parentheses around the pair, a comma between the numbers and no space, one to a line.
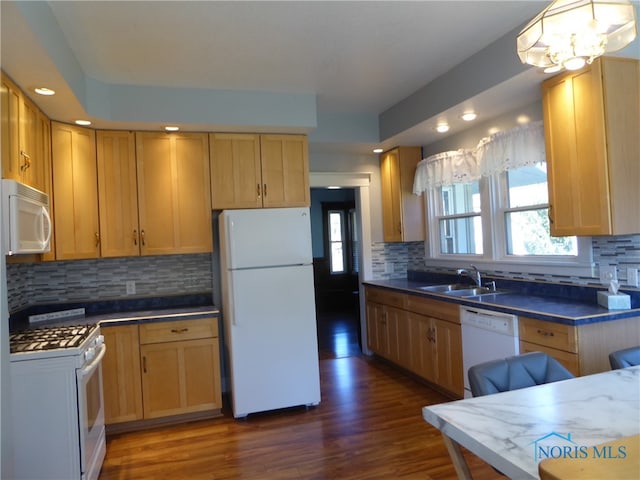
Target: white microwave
(25,219)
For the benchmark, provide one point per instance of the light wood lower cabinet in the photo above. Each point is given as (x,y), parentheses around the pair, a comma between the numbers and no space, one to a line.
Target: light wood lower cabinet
(419,334)
(162,369)
(121,374)
(582,349)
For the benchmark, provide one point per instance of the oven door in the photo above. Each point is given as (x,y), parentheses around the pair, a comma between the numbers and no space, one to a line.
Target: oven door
(91,416)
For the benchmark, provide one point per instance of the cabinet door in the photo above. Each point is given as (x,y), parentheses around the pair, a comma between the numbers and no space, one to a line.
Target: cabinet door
(576,156)
(448,356)
(118,194)
(402,211)
(375,316)
(45,178)
(236,180)
(180,377)
(29,154)
(75,191)
(285,171)
(10,99)
(121,374)
(174,193)
(423,346)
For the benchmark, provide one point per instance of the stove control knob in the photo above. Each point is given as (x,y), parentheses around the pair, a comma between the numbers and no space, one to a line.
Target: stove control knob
(89,354)
(99,340)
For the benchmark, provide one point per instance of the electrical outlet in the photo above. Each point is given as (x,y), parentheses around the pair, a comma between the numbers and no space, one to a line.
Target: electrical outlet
(131,287)
(608,273)
(632,277)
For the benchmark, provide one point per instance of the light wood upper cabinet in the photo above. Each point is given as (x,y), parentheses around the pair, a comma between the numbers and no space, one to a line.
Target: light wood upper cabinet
(10,99)
(592,120)
(285,171)
(254,171)
(174,193)
(75,192)
(402,211)
(25,138)
(236,177)
(118,194)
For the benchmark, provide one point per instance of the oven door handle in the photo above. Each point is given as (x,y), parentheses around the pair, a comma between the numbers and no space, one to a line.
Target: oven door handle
(95,363)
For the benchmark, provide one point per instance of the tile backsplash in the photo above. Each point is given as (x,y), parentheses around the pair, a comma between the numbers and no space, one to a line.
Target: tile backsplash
(621,251)
(102,279)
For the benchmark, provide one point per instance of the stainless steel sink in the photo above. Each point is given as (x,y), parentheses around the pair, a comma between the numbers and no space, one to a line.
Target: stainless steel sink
(460,290)
(472,292)
(446,288)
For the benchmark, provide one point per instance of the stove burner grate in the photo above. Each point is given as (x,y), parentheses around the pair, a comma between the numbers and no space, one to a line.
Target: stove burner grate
(49,338)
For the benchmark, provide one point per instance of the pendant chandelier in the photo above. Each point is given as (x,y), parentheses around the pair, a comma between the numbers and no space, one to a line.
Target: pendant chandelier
(569,33)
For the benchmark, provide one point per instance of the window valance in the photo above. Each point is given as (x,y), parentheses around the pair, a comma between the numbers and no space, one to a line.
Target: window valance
(446,168)
(518,147)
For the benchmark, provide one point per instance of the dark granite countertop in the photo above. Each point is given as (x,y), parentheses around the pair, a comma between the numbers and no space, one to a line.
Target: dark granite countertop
(125,311)
(566,310)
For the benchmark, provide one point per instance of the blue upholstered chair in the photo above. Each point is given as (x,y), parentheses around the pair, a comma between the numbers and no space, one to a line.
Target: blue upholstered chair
(628,357)
(512,373)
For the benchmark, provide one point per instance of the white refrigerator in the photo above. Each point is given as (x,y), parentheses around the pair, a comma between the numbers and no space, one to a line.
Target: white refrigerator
(268,304)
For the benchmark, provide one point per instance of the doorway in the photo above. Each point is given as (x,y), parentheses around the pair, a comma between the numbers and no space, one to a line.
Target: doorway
(336,250)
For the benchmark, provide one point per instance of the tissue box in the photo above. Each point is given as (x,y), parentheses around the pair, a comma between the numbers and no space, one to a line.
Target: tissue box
(614,301)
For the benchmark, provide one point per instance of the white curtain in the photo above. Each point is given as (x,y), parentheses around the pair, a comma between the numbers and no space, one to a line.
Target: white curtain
(518,147)
(446,168)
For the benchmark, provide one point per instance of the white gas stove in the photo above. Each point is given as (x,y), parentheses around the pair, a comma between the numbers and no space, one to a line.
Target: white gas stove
(57,401)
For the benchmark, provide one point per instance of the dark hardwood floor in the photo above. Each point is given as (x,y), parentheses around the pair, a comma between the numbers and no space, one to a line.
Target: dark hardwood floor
(367,426)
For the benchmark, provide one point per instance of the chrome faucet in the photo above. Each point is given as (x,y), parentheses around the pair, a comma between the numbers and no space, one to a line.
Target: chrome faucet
(475,275)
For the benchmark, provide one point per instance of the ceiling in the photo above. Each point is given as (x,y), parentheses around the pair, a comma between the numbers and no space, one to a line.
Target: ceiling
(358,59)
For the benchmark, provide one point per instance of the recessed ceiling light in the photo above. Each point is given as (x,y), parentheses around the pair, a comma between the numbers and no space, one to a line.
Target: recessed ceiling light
(442,127)
(523,119)
(170,128)
(493,130)
(377,150)
(84,123)
(44,91)
(469,116)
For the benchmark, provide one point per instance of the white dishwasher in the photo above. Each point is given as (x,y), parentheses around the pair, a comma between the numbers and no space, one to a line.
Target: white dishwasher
(486,336)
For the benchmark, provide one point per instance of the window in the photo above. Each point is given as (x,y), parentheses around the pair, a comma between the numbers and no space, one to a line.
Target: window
(526,215)
(336,241)
(459,219)
(491,205)
(341,243)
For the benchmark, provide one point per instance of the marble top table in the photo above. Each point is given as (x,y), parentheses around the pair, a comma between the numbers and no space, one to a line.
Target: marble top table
(513,431)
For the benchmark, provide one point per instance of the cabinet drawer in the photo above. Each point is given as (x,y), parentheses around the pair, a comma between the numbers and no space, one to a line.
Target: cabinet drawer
(433,308)
(386,297)
(173,331)
(548,334)
(568,360)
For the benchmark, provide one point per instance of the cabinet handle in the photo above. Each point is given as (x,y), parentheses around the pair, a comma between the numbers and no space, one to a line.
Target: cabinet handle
(135,236)
(264,189)
(179,330)
(399,227)
(144,364)
(142,238)
(27,160)
(545,333)
(97,239)
(258,191)
(550,214)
